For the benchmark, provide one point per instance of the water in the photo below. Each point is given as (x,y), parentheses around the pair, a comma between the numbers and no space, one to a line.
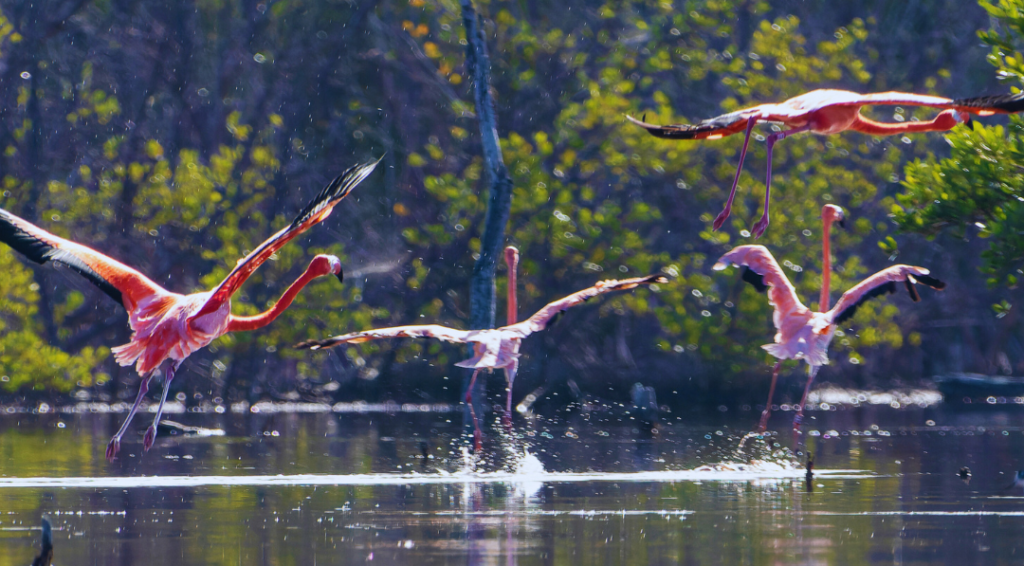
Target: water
(327,488)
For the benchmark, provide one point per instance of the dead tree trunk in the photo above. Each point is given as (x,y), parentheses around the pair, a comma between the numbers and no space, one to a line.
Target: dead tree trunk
(481,290)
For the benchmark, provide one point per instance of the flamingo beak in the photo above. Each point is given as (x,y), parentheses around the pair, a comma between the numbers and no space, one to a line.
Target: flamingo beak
(340,275)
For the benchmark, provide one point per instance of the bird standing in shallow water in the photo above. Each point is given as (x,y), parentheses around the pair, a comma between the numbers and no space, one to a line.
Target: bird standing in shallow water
(493,348)
(167,327)
(803,333)
(827,111)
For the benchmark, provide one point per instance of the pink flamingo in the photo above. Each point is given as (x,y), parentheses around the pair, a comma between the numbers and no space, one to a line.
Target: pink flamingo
(803,333)
(828,112)
(167,327)
(493,348)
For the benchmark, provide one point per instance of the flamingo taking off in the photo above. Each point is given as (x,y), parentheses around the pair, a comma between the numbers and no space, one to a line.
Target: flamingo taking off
(167,327)
(827,111)
(803,333)
(493,348)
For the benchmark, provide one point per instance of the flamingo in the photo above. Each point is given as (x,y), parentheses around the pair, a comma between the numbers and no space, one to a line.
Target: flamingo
(802,333)
(167,327)
(827,111)
(493,348)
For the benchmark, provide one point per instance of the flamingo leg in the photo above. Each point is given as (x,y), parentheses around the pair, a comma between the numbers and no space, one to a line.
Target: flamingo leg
(510,376)
(771,393)
(799,418)
(720,219)
(115,443)
(762,224)
(477,433)
(147,441)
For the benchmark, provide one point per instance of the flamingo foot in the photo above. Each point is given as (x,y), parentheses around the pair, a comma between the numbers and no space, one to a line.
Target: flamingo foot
(113,448)
(763,426)
(758,230)
(720,219)
(147,441)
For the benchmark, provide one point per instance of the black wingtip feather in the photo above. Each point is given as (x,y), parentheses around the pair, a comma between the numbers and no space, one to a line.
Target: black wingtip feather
(1010,103)
(755,279)
(337,189)
(914,296)
(21,241)
(884,289)
(931,282)
(41,252)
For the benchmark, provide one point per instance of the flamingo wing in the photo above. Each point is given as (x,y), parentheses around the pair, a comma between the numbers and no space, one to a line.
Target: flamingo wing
(540,320)
(981,105)
(879,284)
(710,129)
(763,272)
(120,282)
(315,212)
(442,333)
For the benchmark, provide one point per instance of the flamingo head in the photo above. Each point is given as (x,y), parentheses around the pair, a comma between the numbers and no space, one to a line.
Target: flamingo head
(831,213)
(949,118)
(511,257)
(326,265)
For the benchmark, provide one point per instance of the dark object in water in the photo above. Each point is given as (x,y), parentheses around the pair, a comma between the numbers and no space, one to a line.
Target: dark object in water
(965,474)
(172,427)
(809,475)
(959,385)
(645,403)
(46,547)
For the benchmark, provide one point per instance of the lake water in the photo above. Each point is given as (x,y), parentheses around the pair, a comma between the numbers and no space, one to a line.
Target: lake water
(602,488)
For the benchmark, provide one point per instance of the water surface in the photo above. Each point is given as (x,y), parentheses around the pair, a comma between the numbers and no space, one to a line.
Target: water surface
(354,488)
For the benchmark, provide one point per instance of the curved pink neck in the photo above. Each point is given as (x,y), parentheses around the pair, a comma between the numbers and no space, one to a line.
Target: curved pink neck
(240,323)
(512,260)
(826,265)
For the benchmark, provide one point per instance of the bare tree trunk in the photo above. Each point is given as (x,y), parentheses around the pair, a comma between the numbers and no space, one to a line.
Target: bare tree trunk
(481,291)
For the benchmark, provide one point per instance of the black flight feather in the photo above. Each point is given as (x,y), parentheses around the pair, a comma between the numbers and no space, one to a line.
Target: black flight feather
(909,282)
(886,288)
(930,281)
(41,252)
(337,189)
(755,279)
(1002,102)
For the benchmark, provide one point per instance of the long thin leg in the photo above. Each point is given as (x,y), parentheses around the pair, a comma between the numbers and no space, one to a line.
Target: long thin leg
(799,418)
(147,441)
(720,219)
(771,393)
(762,224)
(115,442)
(477,433)
(510,377)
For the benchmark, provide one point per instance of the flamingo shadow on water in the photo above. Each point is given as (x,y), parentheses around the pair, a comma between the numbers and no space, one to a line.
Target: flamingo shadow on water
(826,112)
(167,327)
(802,333)
(493,348)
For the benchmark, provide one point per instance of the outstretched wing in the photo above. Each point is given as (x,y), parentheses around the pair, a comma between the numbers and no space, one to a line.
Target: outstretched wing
(981,105)
(882,283)
(710,129)
(315,212)
(763,272)
(422,331)
(120,282)
(543,317)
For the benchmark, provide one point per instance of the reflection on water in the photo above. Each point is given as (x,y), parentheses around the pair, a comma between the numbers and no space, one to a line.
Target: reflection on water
(352,488)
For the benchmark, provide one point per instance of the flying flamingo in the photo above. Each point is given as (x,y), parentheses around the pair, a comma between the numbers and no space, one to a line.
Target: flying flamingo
(802,333)
(167,327)
(827,112)
(493,348)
